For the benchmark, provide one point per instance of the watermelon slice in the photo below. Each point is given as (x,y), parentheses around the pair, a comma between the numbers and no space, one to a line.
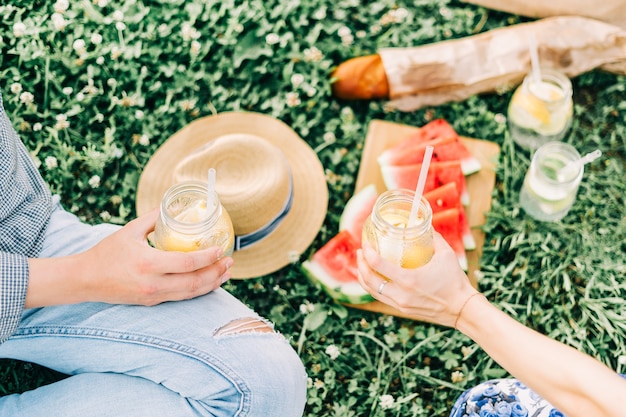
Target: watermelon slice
(446,222)
(447,147)
(357,210)
(334,267)
(439,173)
(446,197)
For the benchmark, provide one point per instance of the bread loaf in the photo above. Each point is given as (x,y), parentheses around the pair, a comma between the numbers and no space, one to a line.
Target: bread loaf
(361,78)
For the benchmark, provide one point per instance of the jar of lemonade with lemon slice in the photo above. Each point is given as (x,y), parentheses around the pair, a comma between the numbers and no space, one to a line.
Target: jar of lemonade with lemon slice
(541,109)
(388,232)
(191,220)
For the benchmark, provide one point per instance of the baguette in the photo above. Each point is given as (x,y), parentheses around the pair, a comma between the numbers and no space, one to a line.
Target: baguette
(361,78)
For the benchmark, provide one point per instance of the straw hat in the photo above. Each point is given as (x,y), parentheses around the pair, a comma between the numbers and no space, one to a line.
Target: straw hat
(268,179)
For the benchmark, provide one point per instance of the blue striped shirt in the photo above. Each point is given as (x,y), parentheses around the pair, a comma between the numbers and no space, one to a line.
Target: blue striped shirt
(25,207)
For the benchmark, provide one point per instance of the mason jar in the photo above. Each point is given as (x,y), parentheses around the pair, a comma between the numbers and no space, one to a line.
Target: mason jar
(540,110)
(191,220)
(388,232)
(551,182)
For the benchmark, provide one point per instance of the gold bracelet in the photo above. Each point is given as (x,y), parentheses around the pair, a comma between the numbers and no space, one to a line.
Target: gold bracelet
(463,306)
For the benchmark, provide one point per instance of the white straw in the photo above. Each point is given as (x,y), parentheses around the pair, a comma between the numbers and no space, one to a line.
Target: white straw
(534,57)
(421,182)
(590,157)
(210,189)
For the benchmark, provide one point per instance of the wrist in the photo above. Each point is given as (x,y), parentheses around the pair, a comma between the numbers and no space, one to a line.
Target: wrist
(466,306)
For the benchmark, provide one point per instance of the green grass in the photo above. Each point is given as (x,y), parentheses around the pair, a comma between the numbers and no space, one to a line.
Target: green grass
(566,280)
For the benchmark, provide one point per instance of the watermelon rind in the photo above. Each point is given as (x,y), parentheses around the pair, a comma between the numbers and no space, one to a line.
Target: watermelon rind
(357,209)
(470,165)
(344,292)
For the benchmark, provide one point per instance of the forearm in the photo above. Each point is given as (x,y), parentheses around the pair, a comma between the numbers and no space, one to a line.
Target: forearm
(573,382)
(55,281)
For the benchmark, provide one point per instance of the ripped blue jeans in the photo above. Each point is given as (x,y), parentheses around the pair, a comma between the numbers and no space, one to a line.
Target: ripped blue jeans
(210,356)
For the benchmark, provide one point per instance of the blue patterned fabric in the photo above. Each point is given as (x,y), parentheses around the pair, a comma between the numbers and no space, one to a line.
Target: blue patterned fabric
(506,397)
(25,207)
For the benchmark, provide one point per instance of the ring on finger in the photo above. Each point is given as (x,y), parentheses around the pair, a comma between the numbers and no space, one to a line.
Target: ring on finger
(381,287)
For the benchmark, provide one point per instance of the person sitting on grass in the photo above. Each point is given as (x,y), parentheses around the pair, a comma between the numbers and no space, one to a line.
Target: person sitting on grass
(138,331)
(546,373)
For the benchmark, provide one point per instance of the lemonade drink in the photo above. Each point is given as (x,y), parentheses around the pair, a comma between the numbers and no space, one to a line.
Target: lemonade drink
(550,185)
(541,110)
(387,230)
(190,220)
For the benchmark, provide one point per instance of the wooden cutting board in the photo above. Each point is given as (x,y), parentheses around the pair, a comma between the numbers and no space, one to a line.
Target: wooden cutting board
(382,135)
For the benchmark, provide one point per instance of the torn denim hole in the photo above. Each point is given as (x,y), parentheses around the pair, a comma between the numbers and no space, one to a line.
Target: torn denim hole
(244,325)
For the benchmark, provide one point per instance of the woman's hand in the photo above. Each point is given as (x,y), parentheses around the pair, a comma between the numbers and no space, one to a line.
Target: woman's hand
(124,269)
(435,292)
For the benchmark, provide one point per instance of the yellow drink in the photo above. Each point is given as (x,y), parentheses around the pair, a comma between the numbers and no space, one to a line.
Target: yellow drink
(387,232)
(187,223)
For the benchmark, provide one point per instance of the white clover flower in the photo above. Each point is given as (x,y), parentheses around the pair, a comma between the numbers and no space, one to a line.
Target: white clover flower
(347,40)
(318,384)
(313,54)
(99,117)
(400,14)
(189,32)
(297,79)
(80,96)
(51,162)
(62,122)
(105,215)
(307,308)
(386,401)
(144,140)
(344,31)
(58,21)
(457,376)
(320,14)
(19,29)
(116,152)
(100,60)
(96,38)
(16,88)
(332,351)
(27,98)
(499,118)
(361,34)
(311,91)
(139,114)
(67,90)
(329,137)
(293,99)
(101,3)
(61,5)
(388,321)
(445,12)
(79,46)
(120,25)
(194,49)
(272,39)
(621,359)
(163,30)
(37,127)
(94,181)
(118,15)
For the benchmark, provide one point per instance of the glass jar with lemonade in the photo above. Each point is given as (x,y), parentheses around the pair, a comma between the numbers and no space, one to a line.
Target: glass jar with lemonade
(541,109)
(388,232)
(191,220)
